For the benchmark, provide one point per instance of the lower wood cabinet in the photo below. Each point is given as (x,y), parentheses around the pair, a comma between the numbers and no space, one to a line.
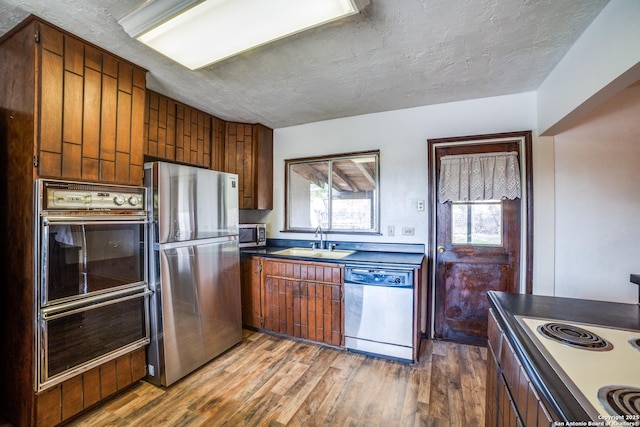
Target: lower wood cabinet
(63,401)
(302,299)
(511,398)
(250,282)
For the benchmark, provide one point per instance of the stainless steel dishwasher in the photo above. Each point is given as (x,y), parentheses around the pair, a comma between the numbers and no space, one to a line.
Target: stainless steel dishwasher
(379,311)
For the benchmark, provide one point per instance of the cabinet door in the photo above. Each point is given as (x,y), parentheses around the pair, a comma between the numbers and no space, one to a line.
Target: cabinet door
(274,304)
(303,300)
(193,136)
(319,316)
(91,112)
(250,296)
(239,160)
(160,127)
(263,167)
(249,153)
(218,132)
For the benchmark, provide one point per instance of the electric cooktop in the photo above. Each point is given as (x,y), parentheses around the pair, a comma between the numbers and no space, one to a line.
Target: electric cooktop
(599,365)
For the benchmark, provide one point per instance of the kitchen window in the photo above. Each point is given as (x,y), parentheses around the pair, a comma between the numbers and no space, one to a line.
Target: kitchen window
(338,193)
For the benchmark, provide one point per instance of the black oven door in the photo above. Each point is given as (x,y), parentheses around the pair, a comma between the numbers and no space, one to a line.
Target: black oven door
(84,258)
(79,335)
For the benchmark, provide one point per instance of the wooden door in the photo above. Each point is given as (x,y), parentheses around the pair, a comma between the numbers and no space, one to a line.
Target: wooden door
(476,246)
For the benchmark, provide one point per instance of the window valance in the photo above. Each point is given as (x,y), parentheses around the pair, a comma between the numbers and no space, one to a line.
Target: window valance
(485,176)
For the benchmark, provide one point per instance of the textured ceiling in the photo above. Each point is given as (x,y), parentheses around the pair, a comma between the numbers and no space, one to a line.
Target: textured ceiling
(395,54)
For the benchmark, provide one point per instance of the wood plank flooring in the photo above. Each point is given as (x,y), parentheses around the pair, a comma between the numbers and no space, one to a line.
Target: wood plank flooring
(271,381)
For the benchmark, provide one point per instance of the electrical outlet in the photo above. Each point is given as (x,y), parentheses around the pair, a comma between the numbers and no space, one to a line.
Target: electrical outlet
(391,230)
(420,205)
(408,231)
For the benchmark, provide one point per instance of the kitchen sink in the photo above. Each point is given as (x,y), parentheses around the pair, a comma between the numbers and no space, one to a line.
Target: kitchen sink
(314,253)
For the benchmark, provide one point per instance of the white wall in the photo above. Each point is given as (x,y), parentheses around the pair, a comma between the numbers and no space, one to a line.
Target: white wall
(603,61)
(543,216)
(401,137)
(597,202)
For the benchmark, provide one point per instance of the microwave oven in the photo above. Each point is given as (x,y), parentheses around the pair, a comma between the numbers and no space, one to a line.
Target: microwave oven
(252,235)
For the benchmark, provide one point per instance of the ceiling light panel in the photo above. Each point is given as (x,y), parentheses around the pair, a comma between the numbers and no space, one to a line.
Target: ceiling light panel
(213,30)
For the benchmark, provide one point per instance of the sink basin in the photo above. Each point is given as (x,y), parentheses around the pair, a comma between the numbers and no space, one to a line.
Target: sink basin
(314,253)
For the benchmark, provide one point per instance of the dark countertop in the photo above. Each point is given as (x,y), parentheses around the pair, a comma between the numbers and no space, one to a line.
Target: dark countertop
(635,278)
(398,259)
(550,387)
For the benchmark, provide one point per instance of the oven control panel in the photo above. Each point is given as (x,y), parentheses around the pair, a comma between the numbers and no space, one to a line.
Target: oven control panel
(66,196)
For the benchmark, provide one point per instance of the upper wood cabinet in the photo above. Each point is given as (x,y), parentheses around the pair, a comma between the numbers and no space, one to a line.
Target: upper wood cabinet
(91,111)
(193,136)
(176,132)
(249,153)
(160,127)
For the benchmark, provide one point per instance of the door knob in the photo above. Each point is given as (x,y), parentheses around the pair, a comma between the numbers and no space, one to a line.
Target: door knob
(440,249)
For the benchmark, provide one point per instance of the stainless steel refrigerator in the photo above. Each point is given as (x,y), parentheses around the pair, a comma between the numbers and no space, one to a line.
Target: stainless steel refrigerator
(194,268)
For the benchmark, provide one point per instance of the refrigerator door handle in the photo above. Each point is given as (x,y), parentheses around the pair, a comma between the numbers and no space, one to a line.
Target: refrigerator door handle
(187,243)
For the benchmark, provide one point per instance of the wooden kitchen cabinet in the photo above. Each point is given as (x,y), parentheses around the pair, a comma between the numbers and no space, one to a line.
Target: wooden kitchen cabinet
(193,136)
(303,300)
(511,399)
(176,132)
(91,110)
(250,291)
(67,110)
(160,127)
(248,152)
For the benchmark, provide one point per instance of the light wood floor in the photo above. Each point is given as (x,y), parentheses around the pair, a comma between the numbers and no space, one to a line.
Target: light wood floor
(267,380)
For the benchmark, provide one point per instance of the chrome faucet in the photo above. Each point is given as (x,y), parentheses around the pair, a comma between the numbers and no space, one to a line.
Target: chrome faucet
(319,230)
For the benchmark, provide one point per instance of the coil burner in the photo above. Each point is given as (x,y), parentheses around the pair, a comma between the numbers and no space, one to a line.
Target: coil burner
(574,336)
(620,400)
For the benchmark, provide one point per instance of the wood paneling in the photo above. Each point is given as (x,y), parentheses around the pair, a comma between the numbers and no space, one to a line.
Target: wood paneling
(303,300)
(76,394)
(51,113)
(176,132)
(17,133)
(91,110)
(511,398)
(193,136)
(248,152)
(72,402)
(250,291)
(160,127)
(91,387)
(263,173)
(218,130)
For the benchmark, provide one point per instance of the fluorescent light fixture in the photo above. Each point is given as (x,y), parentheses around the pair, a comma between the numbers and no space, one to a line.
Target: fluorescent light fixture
(197,33)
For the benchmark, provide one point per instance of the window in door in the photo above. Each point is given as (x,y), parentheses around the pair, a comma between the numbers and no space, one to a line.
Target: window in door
(476,223)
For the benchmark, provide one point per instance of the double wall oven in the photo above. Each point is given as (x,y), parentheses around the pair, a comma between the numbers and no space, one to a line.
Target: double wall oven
(91,282)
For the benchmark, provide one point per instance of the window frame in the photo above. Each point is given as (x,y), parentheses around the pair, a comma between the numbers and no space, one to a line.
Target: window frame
(330,158)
